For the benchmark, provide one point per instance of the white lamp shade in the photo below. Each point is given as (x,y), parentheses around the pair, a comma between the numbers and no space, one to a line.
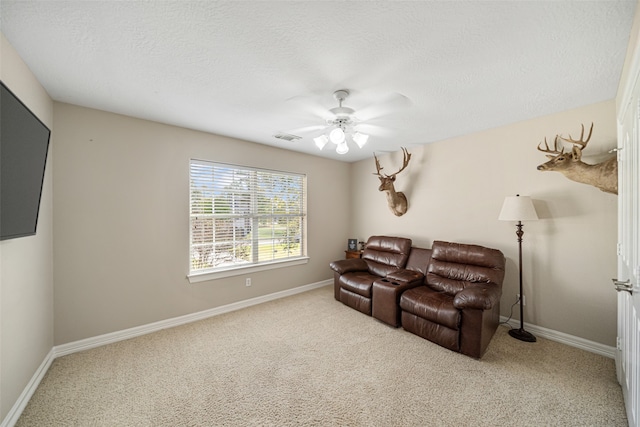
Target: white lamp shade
(518,208)
(321,141)
(337,136)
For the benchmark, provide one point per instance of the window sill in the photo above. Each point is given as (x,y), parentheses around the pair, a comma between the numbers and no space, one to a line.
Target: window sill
(237,271)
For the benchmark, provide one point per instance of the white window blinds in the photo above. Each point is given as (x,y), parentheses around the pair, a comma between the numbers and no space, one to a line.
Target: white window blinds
(241,216)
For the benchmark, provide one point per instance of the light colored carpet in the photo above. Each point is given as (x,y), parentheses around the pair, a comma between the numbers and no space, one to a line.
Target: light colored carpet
(310,360)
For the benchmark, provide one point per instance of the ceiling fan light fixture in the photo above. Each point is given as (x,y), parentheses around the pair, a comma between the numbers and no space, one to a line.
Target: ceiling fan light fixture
(360,139)
(321,141)
(341,128)
(337,136)
(342,148)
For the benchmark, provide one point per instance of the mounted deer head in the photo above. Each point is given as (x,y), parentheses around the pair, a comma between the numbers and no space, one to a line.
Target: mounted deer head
(396,200)
(601,175)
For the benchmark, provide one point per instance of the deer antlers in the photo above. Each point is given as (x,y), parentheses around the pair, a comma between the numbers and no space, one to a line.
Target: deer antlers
(580,142)
(555,146)
(405,163)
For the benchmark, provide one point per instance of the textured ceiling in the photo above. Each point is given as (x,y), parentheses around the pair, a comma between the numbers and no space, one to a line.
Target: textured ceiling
(419,71)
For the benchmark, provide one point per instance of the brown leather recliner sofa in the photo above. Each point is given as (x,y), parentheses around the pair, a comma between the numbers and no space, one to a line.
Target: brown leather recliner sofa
(449,294)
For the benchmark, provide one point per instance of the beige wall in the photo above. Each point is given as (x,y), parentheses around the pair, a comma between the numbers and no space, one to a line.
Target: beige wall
(121,221)
(26,270)
(456,189)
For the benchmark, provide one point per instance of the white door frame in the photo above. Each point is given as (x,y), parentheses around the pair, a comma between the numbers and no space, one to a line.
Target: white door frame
(628,341)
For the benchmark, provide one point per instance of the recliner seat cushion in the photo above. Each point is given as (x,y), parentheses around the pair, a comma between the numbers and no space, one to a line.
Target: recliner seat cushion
(436,307)
(359,282)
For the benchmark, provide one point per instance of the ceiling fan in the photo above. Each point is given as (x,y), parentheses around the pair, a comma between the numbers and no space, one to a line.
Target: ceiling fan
(342,126)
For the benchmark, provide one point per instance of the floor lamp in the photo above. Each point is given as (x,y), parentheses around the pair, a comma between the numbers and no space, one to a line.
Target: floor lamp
(517,208)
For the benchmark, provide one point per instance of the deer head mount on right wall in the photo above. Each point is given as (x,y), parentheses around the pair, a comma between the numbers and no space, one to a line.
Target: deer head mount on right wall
(602,175)
(396,200)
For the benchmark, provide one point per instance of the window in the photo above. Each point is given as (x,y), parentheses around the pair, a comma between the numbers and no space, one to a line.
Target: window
(244,217)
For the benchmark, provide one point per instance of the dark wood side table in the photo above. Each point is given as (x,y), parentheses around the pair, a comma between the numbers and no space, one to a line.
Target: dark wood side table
(352,254)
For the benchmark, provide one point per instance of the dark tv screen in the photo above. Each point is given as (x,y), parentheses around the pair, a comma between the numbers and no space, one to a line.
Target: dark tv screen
(24,142)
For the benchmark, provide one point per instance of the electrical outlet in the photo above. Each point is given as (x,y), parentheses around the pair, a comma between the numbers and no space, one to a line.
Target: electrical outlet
(524,299)
(247,281)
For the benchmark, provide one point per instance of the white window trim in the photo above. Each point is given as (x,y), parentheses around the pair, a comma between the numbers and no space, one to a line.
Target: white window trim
(204,276)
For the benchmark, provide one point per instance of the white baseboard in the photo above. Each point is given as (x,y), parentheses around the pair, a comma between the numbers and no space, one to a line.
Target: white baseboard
(561,337)
(12,417)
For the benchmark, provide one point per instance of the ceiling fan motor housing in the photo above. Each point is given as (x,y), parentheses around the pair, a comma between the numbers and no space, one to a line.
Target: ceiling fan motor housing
(342,112)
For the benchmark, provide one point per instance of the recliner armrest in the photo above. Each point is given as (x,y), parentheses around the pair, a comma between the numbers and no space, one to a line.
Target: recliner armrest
(343,266)
(404,275)
(478,297)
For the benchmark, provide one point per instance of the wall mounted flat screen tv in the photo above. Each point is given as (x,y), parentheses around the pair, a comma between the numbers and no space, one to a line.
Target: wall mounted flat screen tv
(24,142)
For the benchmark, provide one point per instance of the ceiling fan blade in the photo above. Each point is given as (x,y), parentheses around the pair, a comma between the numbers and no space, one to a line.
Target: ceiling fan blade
(374,130)
(306,106)
(315,133)
(307,129)
(390,104)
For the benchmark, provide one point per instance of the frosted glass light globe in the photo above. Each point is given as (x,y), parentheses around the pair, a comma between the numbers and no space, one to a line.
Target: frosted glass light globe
(342,148)
(337,136)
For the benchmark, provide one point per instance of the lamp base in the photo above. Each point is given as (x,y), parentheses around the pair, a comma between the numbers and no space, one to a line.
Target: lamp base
(522,335)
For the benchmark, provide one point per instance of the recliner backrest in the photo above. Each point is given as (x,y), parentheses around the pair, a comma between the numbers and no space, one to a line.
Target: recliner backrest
(456,266)
(419,260)
(385,254)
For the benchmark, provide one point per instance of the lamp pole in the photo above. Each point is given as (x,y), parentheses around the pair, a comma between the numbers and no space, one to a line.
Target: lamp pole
(519,209)
(521,334)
